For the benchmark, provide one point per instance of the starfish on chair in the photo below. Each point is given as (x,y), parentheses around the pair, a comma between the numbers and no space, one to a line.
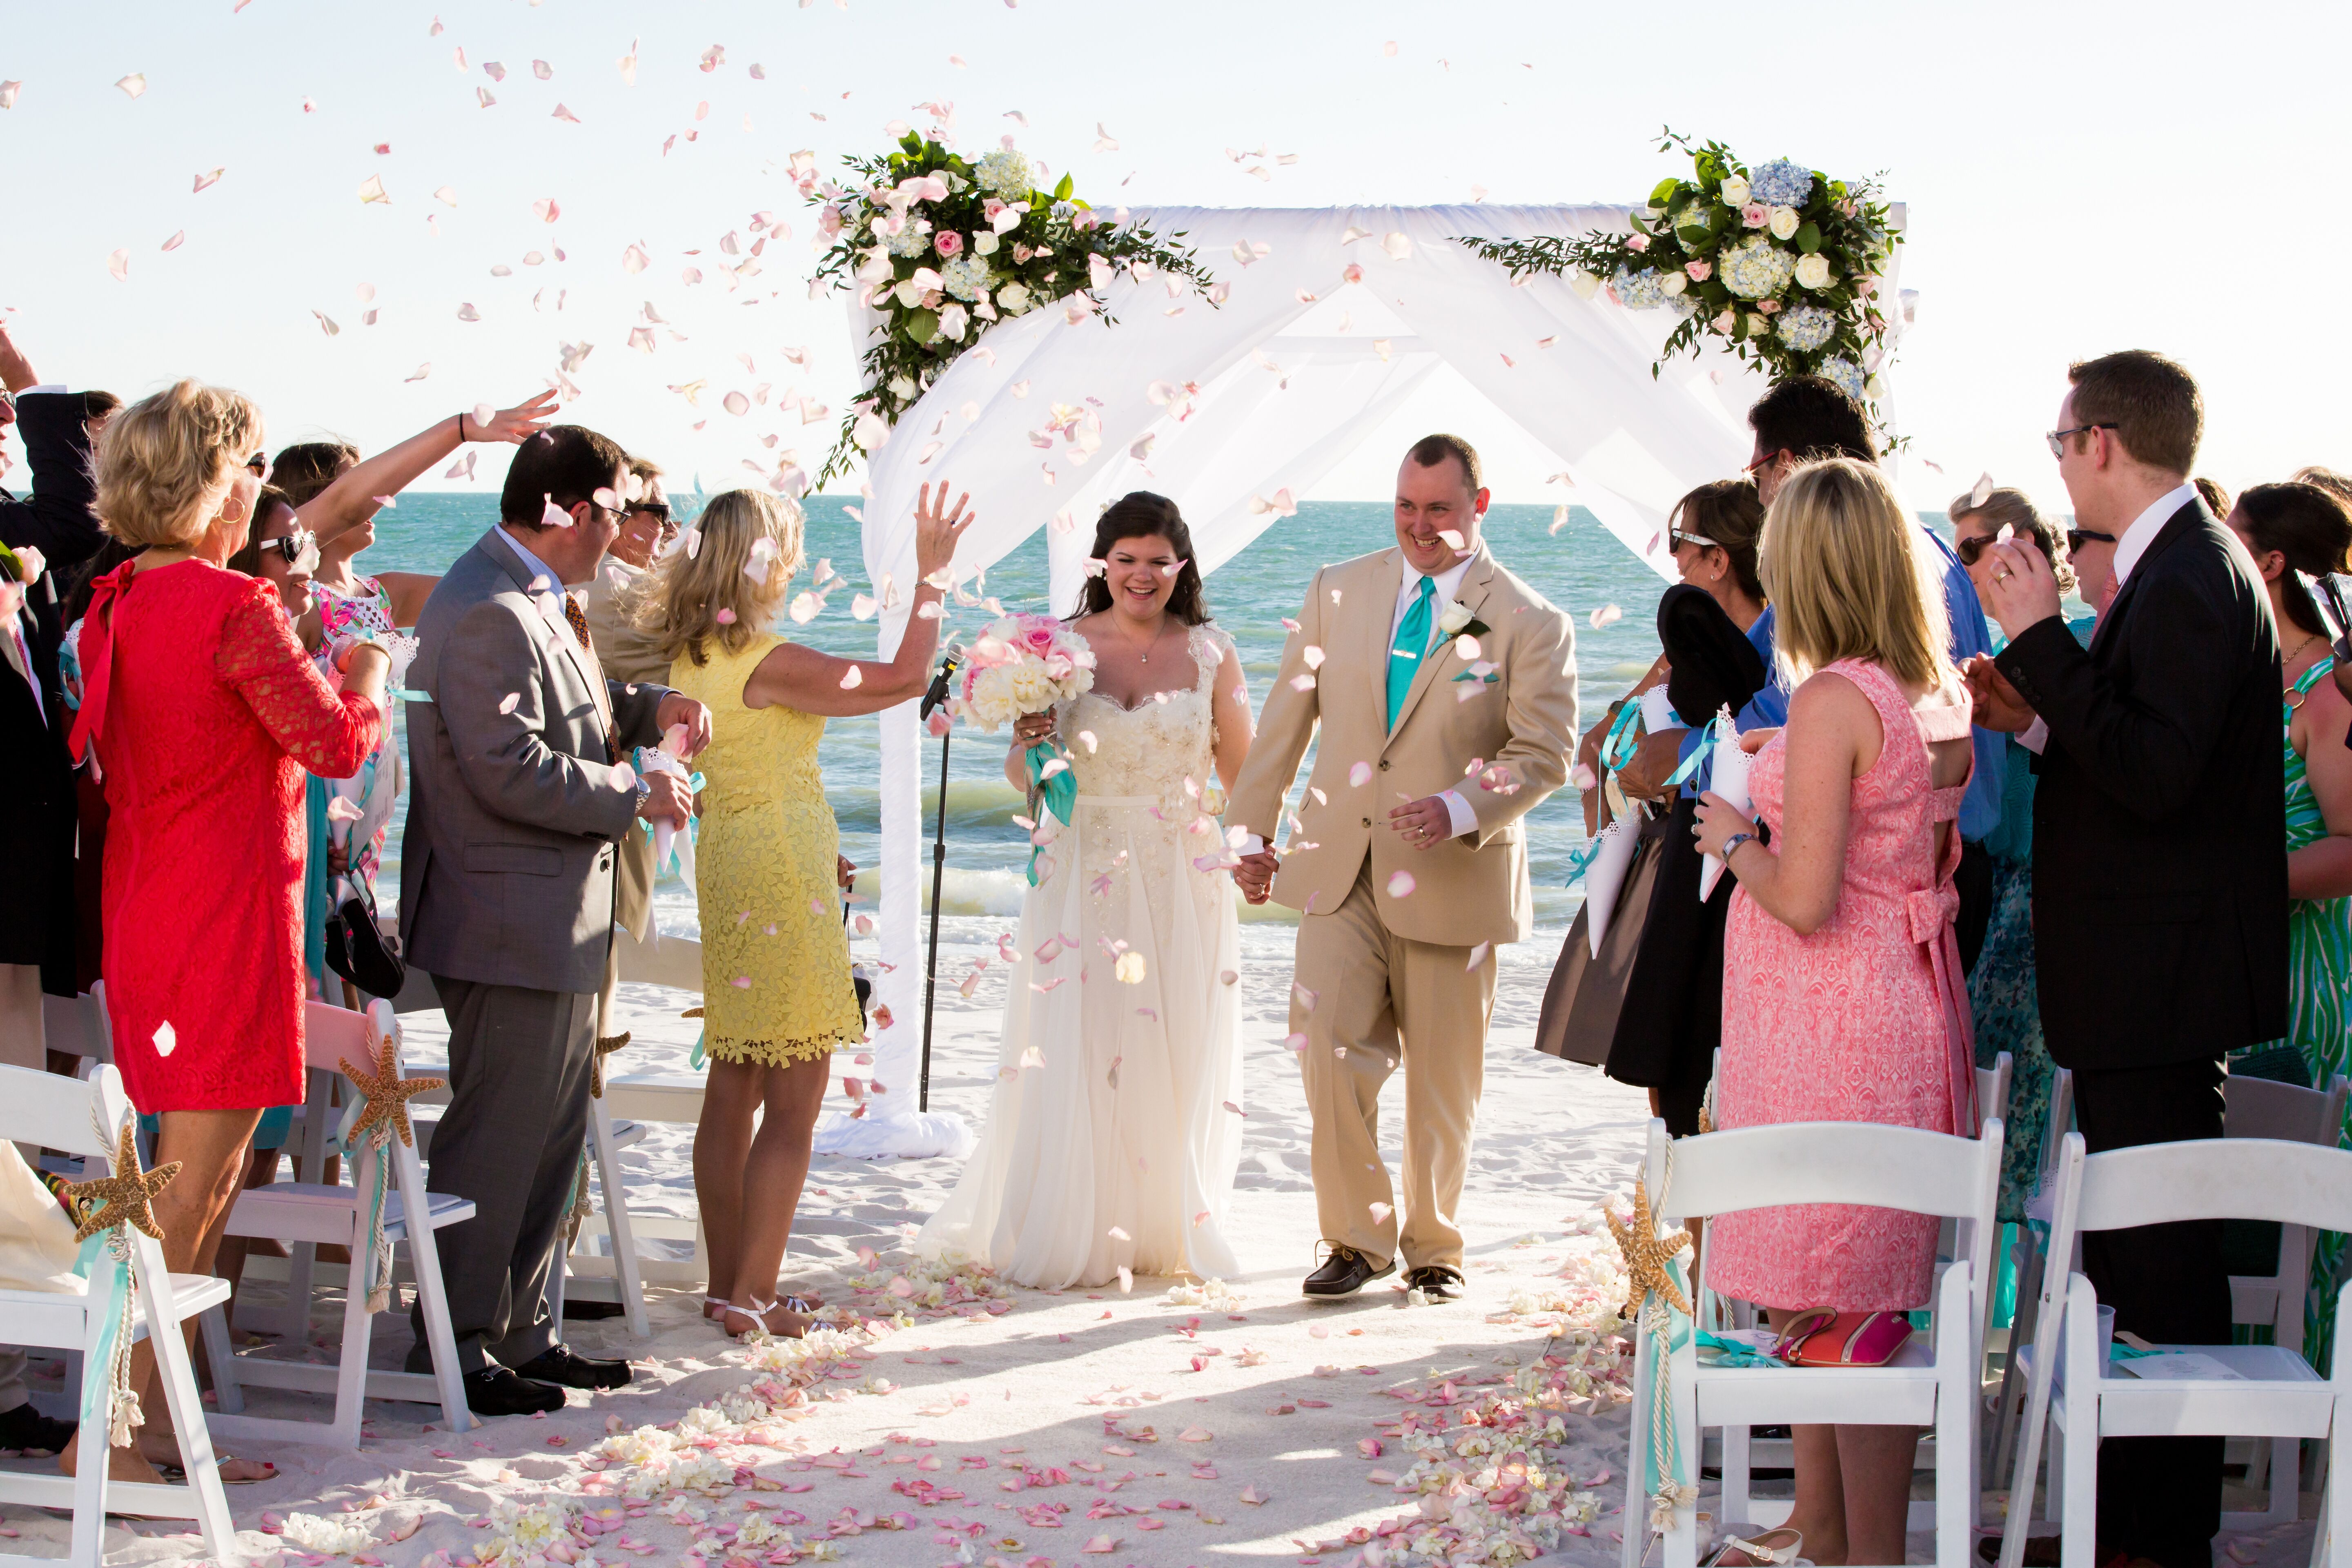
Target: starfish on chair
(387,1093)
(1646,1255)
(124,1197)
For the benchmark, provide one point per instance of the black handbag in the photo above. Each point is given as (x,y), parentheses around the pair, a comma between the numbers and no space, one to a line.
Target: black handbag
(357,948)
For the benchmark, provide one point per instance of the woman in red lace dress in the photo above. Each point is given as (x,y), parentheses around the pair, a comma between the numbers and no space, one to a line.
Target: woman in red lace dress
(1842,999)
(200,712)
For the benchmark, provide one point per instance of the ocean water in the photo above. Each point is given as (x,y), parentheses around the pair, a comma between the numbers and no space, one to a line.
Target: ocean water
(1582,569)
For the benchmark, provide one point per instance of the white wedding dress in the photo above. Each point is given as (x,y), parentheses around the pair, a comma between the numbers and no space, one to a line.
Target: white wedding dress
(1115,1128)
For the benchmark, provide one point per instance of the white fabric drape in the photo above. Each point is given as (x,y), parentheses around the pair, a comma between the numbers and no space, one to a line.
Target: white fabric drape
(1285,391)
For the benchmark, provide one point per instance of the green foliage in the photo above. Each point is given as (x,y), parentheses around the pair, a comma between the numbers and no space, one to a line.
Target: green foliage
(1040,259)
(1848,224)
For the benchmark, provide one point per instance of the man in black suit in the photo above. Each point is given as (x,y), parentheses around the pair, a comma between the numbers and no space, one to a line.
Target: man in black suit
(2159,865)
(37,789)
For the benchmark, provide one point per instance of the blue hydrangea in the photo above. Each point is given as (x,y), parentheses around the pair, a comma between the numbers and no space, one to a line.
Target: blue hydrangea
(1780,184)
(1006,173)
(915,239)
(1807,327)
(1755,267)
(1847,374)
(964,276)
(1642,290)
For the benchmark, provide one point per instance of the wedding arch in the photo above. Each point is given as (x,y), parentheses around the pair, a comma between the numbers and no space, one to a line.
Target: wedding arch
(1330,318)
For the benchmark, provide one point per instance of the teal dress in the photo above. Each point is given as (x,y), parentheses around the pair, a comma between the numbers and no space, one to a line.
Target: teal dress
(2001,988)
(2319,970)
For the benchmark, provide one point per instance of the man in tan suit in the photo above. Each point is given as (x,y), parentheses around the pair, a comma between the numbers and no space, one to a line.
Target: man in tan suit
(1444,690)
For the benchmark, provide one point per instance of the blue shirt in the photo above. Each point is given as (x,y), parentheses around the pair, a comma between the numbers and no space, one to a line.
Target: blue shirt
(1981,809)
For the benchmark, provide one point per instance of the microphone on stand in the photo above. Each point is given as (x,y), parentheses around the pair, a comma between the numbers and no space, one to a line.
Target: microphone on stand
(949,664)
(939,691)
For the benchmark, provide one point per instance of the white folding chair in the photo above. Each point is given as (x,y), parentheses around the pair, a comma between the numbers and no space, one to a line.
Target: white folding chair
(2273,1391)
(2260,1108)
(1932,1384)
(2008,1402)
(313,1212)
(50,1109)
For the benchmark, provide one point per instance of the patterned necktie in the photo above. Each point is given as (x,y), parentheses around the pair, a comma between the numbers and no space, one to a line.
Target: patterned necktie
(1412,642)
(577,619)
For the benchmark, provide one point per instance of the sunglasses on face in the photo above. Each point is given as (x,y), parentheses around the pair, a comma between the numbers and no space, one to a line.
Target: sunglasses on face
(2057,438)
(1766,460)
(295,548)
(1678,539)
(1971,551)
(258,464)
(2077,537)
(658,510)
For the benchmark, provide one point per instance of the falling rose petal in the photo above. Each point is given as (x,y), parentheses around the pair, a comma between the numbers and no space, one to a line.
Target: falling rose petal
(1227,976)
(118,263)
(133,85)
(179,237)
(211,179)
(564,114)
(1380,1213)
(9,91)
(1606,616)
(468,314)
(1312,656)
(852,679)
(1401,885)
(543,70)
(371,190)
(737,404)
(1087,739)
(1478,955)
(1295,1042)
(507,703)
(167,1039)
(741,983)
(1359,775)
(726,617)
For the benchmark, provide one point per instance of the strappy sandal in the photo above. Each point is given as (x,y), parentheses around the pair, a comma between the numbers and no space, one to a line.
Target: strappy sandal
(1788,1553)
(757,1312)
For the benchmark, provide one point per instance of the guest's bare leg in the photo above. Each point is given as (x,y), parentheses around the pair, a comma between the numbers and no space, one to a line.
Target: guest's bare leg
(722,1143)
(1821,1507)
(1875,1462)
(234,1249)
(210,1146)
(773,1178)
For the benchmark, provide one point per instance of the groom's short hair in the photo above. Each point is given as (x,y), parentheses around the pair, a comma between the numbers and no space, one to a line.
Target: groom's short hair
(1431,450)
(563,464)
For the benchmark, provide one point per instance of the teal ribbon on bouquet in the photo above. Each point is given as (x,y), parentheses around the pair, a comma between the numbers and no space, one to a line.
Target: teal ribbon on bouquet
(1617,746)
(1058,794)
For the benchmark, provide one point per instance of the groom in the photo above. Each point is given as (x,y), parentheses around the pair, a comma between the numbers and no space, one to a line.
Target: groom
(1445,691)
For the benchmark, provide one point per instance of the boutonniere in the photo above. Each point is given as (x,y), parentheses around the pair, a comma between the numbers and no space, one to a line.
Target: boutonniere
(1463,629)
(1457,620)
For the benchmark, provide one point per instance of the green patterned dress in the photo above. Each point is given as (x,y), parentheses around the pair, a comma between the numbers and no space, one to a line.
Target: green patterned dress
(2319,970)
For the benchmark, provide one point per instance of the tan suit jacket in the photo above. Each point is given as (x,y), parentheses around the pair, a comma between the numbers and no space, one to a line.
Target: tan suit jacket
(608,602)
(1469,890)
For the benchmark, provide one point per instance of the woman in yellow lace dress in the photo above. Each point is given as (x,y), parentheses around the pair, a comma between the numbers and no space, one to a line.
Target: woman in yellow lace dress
(775,963)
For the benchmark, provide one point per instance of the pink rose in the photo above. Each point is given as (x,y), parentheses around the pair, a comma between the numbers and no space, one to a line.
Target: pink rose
(1699,271)
(1755,215)
(1639,242)
(947,242)
(1768,306)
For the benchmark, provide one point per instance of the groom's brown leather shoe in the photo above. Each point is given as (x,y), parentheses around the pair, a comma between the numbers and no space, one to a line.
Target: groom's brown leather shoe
(1437,1281)
(1345,1272)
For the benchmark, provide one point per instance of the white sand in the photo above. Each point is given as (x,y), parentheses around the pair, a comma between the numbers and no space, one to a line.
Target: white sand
(1285,1391)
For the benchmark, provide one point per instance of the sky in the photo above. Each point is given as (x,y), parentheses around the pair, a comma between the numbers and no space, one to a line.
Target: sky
(2080,177)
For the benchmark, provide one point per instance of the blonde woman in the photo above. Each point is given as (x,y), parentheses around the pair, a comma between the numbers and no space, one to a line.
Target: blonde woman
(776,986)
(1837,1006)
(202,713)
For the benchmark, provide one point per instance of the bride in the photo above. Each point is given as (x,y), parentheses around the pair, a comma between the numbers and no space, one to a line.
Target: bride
(1115,1128)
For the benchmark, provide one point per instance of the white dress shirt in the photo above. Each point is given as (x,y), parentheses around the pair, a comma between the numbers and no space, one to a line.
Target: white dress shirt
(1460,819)
(2129,547)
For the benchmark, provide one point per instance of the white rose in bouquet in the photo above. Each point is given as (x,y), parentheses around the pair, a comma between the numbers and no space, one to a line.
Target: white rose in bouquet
(1586,284)
(1735,192)
(1784,222)
(1814,271)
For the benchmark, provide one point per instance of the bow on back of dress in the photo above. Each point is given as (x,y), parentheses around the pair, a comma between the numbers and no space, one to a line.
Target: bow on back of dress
(97,656)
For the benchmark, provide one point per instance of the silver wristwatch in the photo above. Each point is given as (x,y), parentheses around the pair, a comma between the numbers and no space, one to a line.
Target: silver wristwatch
(644,788)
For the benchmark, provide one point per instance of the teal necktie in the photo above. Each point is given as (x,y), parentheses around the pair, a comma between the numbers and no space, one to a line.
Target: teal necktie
(1405,652)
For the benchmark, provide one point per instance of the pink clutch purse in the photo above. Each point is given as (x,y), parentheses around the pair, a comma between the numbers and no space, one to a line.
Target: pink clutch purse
(1825,1338)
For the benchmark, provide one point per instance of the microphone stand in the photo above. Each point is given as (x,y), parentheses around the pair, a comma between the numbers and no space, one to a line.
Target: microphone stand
(931,700)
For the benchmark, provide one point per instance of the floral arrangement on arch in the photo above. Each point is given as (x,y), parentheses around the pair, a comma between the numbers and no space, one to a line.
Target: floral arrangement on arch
(942,245)
(1781,262)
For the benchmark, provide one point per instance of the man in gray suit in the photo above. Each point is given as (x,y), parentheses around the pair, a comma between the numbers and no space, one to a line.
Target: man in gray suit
(519,796)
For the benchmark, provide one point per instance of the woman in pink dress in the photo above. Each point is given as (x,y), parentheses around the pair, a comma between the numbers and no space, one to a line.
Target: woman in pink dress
(200,712)
(1843,996)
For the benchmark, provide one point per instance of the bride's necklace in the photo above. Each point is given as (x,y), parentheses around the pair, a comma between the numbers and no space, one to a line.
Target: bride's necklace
(1161,630)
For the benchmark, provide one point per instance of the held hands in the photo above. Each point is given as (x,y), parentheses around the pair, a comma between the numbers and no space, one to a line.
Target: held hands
(1425,822)
(938,530)
(514,425)
(678,709)
(1718,819)
(1654,761)
(1993,702)
(844,874)
(1253,875)
(2017,584)
(669,799)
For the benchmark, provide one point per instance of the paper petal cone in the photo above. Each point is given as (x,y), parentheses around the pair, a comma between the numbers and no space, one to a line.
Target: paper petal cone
(1605,877)
(1730,782)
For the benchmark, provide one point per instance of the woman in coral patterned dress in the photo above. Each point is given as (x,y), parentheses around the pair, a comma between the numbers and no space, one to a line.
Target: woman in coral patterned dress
(201,713)
(1843,996)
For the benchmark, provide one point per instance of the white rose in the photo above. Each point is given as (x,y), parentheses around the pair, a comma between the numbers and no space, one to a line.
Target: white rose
(1735,192)
(1014,298)
(1455,618)
(902,388)
(1673,283)
(1814,271)
(1874,389)
(1586,284)
(1784,222)
(911,293)
(985,243)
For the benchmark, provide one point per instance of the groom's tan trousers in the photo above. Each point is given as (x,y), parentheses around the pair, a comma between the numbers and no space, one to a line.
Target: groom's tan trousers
(1382,1001)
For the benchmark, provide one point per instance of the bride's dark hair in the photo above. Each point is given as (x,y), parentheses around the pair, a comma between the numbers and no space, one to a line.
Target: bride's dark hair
(1139,514)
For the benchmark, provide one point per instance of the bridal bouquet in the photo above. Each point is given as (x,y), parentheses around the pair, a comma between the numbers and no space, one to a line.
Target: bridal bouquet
(1019,665)
(1782,263)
